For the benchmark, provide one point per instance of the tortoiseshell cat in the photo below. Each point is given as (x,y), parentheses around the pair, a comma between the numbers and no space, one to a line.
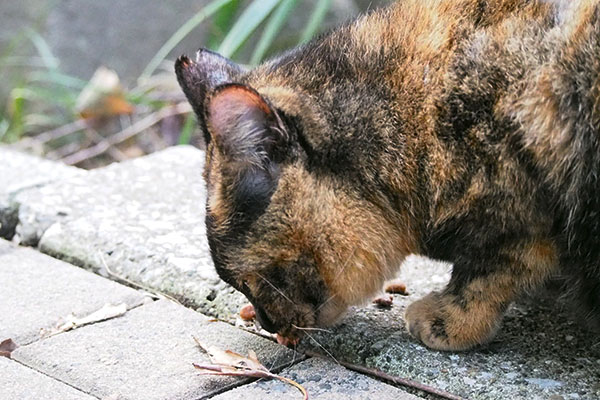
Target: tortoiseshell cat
(464,130)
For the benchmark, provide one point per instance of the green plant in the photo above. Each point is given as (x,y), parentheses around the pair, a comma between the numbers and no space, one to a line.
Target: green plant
(47,98)
(44,98)
(270,15)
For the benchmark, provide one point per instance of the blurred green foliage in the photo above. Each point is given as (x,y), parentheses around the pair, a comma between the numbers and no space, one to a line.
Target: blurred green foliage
(46,97)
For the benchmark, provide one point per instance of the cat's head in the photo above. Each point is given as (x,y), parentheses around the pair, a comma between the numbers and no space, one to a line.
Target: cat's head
(299,243)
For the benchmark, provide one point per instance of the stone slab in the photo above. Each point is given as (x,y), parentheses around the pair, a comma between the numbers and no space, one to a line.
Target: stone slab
(18,382)
(147,354)
(143,219)
(37,291)
(19,171)
(538,353)
(323,380)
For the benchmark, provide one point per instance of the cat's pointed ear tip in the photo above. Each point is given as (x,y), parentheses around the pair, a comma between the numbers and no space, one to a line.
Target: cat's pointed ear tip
(183,62)
(202,51)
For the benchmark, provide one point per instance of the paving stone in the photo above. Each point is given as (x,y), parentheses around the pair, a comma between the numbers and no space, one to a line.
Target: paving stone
(19,171)
(539,352)
(146,354)
(18,382)
(323,380)
(37,291)
(143,219)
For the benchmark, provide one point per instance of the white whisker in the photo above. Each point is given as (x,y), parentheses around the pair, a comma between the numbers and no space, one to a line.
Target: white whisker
(311,329)
(280,348)
(324,349)
(347,262)
(337,275)
(325,303)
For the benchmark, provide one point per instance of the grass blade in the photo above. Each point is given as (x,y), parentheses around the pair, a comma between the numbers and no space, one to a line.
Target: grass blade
(43,50)
(17,116)
(316,20)
(181,33)
(276,21)
(221,22)
(4,126)
(250,19)
(59,79)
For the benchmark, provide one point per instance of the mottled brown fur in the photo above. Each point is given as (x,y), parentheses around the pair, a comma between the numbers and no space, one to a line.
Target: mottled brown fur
(466,130)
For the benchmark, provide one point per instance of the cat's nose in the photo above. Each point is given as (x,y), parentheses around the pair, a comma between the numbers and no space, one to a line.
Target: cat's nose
(264,321)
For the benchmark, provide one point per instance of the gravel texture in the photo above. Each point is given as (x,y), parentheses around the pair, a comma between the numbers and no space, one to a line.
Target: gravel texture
(539,351)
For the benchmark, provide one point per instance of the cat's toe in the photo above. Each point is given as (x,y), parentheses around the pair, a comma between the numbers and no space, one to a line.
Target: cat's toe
(425,322)
(443,325)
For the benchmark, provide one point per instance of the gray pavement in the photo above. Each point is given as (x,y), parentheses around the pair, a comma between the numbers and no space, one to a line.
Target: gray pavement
(21,171)
(38,291)
(143,220)
(146,354)
(23,383)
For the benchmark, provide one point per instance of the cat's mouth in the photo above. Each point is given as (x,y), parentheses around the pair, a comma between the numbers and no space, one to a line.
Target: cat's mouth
(287,337)
(287,341)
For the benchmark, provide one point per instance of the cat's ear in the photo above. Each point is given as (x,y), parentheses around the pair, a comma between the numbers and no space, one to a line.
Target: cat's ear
(244,126)
(200,76)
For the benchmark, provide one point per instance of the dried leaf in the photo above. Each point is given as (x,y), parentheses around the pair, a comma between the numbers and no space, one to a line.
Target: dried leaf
(230,359)
(229,363)
(71,321)
(7,347)
(103,96)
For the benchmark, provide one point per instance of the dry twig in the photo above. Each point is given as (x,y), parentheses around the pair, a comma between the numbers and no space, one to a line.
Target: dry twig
(393,379)
(127,133)
(62,131)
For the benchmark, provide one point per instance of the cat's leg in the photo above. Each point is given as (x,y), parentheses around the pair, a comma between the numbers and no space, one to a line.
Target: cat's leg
(469,310)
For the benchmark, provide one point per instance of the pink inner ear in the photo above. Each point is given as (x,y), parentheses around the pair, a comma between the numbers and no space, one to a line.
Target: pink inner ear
(231,103)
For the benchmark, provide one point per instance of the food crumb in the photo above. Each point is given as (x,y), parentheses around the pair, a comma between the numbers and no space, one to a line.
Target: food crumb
(384,301)
(396,288)
(247,312)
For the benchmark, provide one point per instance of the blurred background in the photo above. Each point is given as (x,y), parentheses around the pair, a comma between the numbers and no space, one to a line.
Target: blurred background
(91,82)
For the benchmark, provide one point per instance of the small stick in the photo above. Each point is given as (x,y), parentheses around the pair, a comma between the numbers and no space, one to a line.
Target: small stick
(62,131)
(114,152)
(129,132)
(394,379)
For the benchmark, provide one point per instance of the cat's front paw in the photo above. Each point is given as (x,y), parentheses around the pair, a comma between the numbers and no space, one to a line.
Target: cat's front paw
(442,325)
(425,322)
